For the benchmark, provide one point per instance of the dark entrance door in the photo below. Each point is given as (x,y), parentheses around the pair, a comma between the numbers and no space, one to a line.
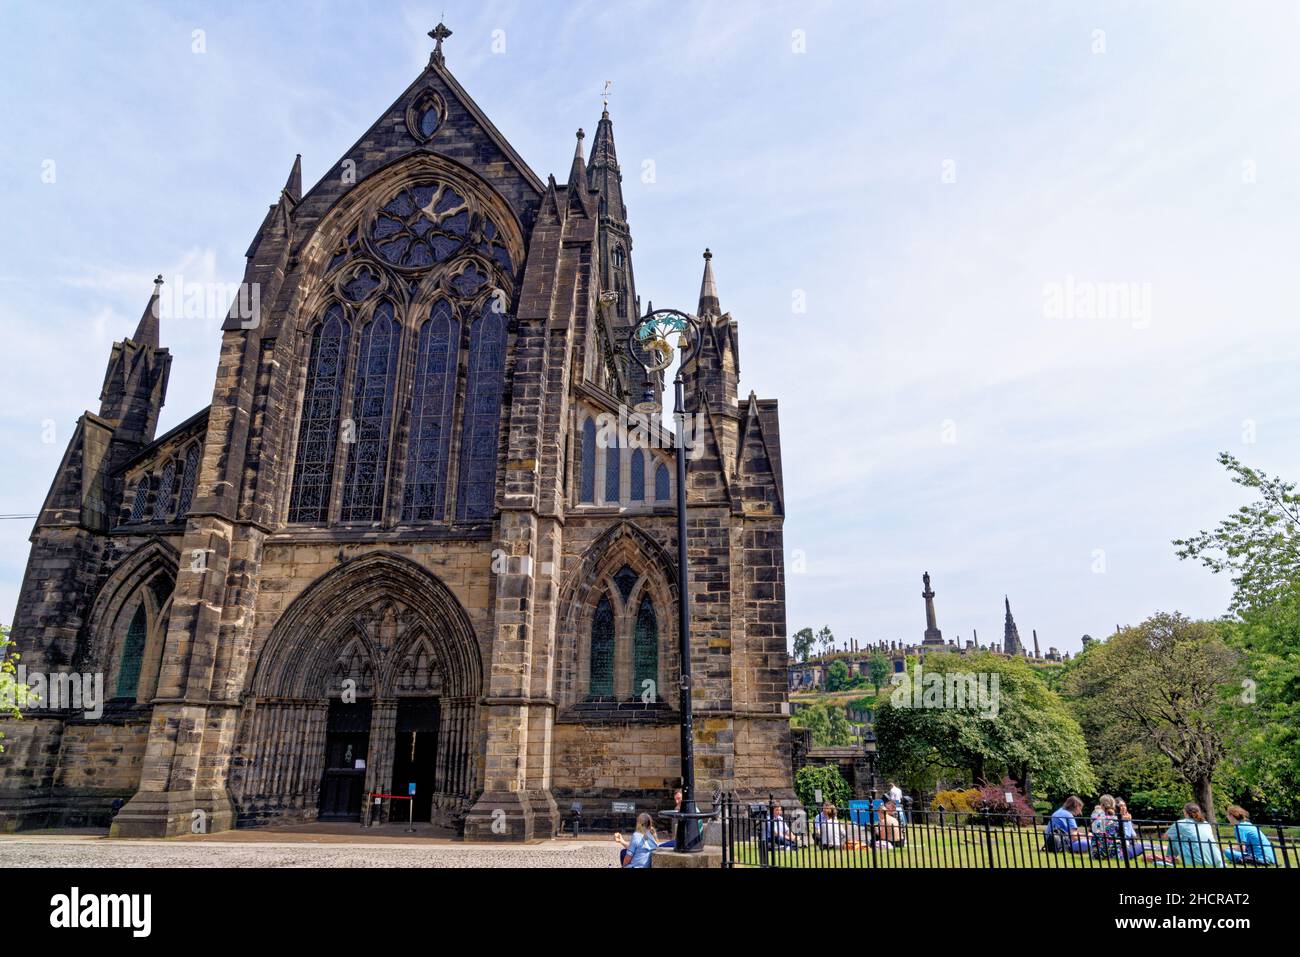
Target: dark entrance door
(414,760)
(347,742)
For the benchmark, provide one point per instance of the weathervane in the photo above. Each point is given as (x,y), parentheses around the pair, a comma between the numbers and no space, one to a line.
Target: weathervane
(604,96)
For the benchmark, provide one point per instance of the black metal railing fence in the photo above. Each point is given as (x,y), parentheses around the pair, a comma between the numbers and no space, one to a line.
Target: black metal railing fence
(864,834)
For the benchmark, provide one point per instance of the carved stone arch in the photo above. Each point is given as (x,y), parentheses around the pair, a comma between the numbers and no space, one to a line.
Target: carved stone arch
(125,590)
(623,544)
(315,629)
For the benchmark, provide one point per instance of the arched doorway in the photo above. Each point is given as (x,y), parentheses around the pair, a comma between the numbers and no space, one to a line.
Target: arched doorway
(368,684)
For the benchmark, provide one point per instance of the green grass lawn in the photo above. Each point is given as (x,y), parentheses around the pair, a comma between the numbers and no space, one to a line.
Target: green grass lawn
(927,846)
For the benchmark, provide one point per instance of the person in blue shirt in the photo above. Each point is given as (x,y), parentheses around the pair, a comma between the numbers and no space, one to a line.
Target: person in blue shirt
(1255,847)
(642,844)
(1063,832)
(1192,839)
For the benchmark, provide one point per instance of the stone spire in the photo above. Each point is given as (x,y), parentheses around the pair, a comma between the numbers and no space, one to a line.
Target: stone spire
(1011,644)
(933,636)
(293,186)
(135,382)
(1037,654)
(146,331)
(614,238)
(709,303)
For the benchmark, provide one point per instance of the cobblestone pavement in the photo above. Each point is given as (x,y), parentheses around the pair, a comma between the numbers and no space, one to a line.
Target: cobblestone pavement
(97,851)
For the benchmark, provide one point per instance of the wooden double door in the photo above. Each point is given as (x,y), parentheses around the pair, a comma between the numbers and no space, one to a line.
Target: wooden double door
(414,742)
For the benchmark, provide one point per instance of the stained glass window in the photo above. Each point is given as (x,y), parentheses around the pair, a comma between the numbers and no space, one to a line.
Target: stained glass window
(587,492)
(645,650)
(661,483)
(425,494)
(476,487)
(421,225)
(602,650)
(429,119)
(188,478)
(626,580)
(141,502)
(613,467)
(318,431)
(637,468)
(372,416)
(363,282)
(128,676)
(470,281)
(166,485)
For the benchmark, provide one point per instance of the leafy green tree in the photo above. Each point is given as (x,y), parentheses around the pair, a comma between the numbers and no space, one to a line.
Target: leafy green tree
(1263,721)
(1032,737)
(13,695)
(825,778)
(1159,685)
(826,639)
(878,669)
(1258,545)
(828,723)
(837,676)
(803,644)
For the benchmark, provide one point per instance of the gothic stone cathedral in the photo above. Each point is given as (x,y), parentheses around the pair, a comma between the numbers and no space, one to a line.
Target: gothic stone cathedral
(393,549)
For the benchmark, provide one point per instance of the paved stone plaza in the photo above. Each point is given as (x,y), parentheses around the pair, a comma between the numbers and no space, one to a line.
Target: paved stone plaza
(278,850)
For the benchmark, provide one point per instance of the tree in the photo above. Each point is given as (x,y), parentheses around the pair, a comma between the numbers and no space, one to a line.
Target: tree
(837,676)
(1161,684)
(826,639)
(14,696)
(825,778)
(1032,736)
(1258,545)
(878,669)
(828,723)
(803,644)
(1263,722)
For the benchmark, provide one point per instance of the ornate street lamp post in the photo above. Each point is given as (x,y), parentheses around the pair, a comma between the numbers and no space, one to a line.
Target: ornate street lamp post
(652,343)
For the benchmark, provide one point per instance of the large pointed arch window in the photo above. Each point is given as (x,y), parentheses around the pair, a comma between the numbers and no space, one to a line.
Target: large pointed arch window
(425,494)
(128,675)
(372,413)
(313,471)
(645,651)
(637,476)
(601,684)
(612,470)
(476,486)
(587,478)
(188,477)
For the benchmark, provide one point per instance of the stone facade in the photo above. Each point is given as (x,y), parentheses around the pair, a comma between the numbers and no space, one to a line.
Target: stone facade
(388,550)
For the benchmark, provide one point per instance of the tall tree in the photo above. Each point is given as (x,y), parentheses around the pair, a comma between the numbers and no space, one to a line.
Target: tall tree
(826,639)
(878,669)
(1030,735)
(1258,545)
(803,644)
(1163,682)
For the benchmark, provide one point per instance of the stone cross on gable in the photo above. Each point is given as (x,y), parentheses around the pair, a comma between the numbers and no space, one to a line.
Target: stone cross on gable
(439,33)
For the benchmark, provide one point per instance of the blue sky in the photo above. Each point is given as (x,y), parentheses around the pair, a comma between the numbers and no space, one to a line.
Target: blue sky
(918,175)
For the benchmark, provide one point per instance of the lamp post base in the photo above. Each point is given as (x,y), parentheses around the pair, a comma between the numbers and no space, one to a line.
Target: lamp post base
(704,858)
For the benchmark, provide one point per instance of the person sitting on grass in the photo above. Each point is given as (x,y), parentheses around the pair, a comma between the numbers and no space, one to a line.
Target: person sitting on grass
(827,827)
(1135,847)
(642,844)
(1104,828)
(1254,845)
(1192,839)
(778,831)
(889,832)
(1063,832)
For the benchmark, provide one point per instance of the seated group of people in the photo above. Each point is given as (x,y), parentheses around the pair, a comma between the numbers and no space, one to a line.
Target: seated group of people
(1192,839)
(885,832)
